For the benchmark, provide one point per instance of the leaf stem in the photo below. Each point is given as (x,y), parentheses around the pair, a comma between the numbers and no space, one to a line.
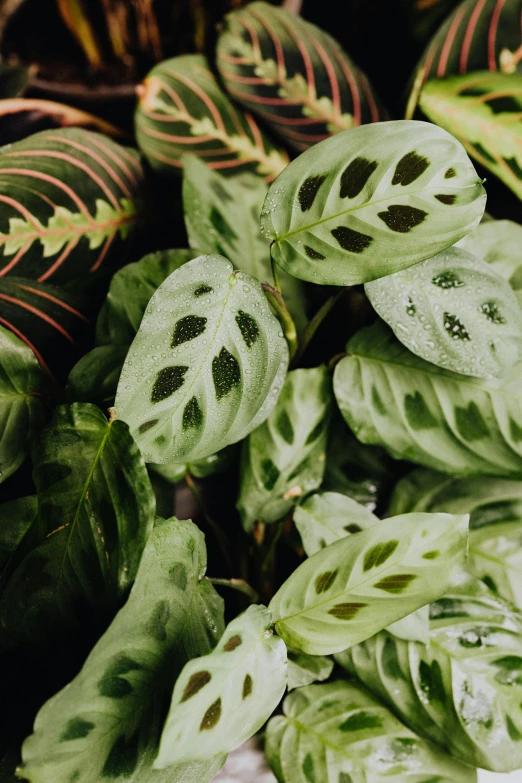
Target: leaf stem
(275,274)
(236,584)
(211,522)
(276,299)
(313,325)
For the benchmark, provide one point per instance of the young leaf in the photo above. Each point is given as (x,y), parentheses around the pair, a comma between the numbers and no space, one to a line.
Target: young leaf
(206,366)
(338,732)
(455,311)
(358,585)
(426,414)
(365,203)
(462,690)
(21,410)
(498,242)
(107,722)
(310,90)
(182,109)
(16,517)
(304,669)
(96,509)
(70,198)
(222,699)
(283,459)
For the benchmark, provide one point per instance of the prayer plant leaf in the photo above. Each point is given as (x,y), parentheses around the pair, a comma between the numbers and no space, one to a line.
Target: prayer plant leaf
(182,109)
(284,458)
(304,669)
(95,513)
(16,517)
(423,413)
(495,508)
(463,690)
(338,732)
(222,699)
(371,201)
(455,311)
(107,722)
(21,409)
(358,585)
(206,366)
(293,75)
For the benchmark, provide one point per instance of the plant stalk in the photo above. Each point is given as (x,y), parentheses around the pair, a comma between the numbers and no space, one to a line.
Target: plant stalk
(277,301)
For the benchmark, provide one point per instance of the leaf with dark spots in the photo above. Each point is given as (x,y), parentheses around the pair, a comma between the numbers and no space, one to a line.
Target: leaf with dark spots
(353,528)
(493,312)
(203,289)
(233,643)
(346,611)
(226,373)
(351,240)
(431,681)
(188,328)
(396,583)
(448,279)
(192,414)
(308,768)
(409,168)
(122,759)
(455,328)
(168,381)
(114,687)
(377,402)
(147,425)
(178,575)
(446,198)
(77,728)
(431,555)
(361,721)
(379,554)
(355,176)
(248,327)
(417,412)
(195,684)
(402,218)
(315,433)
(308,191)
(285,427)
(269,474)
(470,422)
(211,717)
(450,173)
(324,581)
(247,686)
(156,625)
(314,254)
(222,226)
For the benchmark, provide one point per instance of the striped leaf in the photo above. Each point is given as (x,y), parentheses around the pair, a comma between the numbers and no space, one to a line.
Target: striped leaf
(483,111)
(68,199)
(463,690)
(21,410)
(371,201)
(107,722)
(358,585)
(338,732)
(455,311)
(498,242)
(183,109)
(293,75)
(206,366)
(423,413)
(495,506)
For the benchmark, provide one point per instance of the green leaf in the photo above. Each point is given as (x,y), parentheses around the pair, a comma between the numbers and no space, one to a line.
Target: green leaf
(222,699)
(426,414)
(206,366)
(304,669)
(96,510)
(71,197)
(16,517)
(95,377)
(356,586)
(13,80)
(182,109)
(338,732)
(455,311)
(482,109)
(463,690)
(283,459)
(107,722)
(312,91)
(364,203)
(21,410)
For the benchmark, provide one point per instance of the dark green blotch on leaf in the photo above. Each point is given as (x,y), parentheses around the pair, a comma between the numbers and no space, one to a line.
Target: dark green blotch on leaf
(431,682)
(353,241)
(314,254)
(157,623)
(308,768)
(211,716)
(346,611)
(390,660)
(377,402)
(455,328)
(232,643)
(247,686)
(269,474)
(147,425)
(192,414)
(77,728)
(396,583)
(113,685)
(222,226)
(401,218)
(379,554)
(168,381)
(447,280)
(248,327)
(226,373)
(353,528)
(450,173)
(196,682)
(203,289)
(122,759)
(417,412)
(432,555)
(285,427)
(470,422)
(355,176)
(308,191)
(314,434)
(360,721)
(409,168)
(325,581)
(493,312)
(515,431)
(188,328)
(446,198)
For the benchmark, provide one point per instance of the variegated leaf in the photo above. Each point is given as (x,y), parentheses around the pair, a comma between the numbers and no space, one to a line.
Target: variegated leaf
(206,366)
(371,201)
(222,699)
(462,690)
(183,109)
(68,199)
(423,413)
(358,585)
(293,75)
(304,669)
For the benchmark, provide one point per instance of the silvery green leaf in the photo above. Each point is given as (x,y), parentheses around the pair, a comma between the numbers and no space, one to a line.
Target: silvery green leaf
(206,366)
(426,414)
(304,669)
(222,699)
(284,458)
(358,585)
(337,733)
(107,722)
(464,689)
(370,201)
(455,311)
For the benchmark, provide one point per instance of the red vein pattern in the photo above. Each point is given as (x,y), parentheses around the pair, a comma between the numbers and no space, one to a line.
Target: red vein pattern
(182,109)
(293,75)
(66,197)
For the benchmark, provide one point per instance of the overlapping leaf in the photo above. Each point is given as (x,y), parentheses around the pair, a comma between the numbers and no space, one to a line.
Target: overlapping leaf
(16,517)
(107,722)
(21,410)
(68,199)
(339,732)
(371,201)
(499,242)
(455,311)
(358,585)
(293,75)
(284,458)
(303,669)
(206,366)
(423,413)
(183,109)
(464,689)
(222,699)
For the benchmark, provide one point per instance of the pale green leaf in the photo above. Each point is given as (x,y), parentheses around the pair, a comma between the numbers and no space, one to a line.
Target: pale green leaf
(370,201)
(206,366)
(358,585)
(303,669)
(222,699)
